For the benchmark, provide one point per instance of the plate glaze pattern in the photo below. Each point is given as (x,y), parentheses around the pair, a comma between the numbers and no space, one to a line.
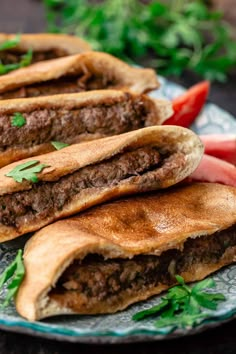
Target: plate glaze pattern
(120,327)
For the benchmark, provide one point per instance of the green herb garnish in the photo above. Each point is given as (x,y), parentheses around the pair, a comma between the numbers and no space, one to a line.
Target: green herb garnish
(26,59)
(18,120)
(179,35)
(182,306)
(11,43)
(26,171)
(15,271)
(58,145)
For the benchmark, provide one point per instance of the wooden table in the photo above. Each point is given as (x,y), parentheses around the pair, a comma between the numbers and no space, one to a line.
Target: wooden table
(27,16)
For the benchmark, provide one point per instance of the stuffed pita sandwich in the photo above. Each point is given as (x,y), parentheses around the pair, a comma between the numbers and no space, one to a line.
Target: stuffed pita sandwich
(30,127)
(119,253)
(44,46)
(76,73)
(37,191)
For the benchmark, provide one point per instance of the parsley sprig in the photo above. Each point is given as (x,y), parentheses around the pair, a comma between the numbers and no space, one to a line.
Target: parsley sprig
(14,272)
(177,35)
(182,305)
(25,60)
(18,120)
(26,171)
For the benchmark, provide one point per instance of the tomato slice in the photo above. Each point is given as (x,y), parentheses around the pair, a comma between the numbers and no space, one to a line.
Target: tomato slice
(188,106)
(212,169)
(222,146)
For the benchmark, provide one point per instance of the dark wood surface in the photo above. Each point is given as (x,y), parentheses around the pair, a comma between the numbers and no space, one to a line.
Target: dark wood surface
(27,16)
(218,341)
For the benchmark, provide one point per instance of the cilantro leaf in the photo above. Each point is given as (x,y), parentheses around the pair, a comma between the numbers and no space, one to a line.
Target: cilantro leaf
(152,311)
(180,321)
(26,59)
(177,292)
(14,272)
(193,306)
(180,279)
(18,120)
(206,283)
(59,145)
(4,69)
(11,43)
(26,171)
(182,305)
(208,301)
(8,273)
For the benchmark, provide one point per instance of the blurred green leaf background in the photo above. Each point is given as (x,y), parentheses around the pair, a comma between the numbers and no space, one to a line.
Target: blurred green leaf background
(172,36)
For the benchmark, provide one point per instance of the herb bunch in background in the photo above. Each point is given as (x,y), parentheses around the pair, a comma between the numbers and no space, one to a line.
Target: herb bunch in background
(178,35)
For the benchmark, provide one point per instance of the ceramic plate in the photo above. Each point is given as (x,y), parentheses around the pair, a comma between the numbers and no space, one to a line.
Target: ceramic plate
(120,327)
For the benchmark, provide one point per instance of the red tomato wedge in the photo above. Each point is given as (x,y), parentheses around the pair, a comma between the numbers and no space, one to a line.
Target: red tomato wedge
(212,169)
(222,146)
(188,106)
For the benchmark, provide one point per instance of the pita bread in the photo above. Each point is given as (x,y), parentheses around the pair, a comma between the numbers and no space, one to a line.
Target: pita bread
(73,119)
(44,46)
(113,255)
(87,174)
(76,73)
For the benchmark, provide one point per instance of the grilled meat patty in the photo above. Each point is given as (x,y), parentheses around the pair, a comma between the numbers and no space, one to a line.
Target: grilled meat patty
(70,124)
(46,198)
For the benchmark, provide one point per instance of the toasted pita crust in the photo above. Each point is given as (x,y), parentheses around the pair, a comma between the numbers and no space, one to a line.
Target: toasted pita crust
(149,224)
(100,64)
(169,139)
(158,111)
(41,42)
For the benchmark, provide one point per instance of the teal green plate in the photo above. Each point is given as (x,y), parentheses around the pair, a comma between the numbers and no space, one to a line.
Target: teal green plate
(120,328)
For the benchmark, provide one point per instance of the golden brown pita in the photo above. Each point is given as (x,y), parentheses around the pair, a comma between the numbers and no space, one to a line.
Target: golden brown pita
(45,46)
(119,253)
(76,73)
(86,174)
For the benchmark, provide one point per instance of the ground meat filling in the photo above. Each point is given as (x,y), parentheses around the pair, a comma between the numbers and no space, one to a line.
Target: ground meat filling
(86,283)
(46,198)
(66,84)
(14,57)
(64,125)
